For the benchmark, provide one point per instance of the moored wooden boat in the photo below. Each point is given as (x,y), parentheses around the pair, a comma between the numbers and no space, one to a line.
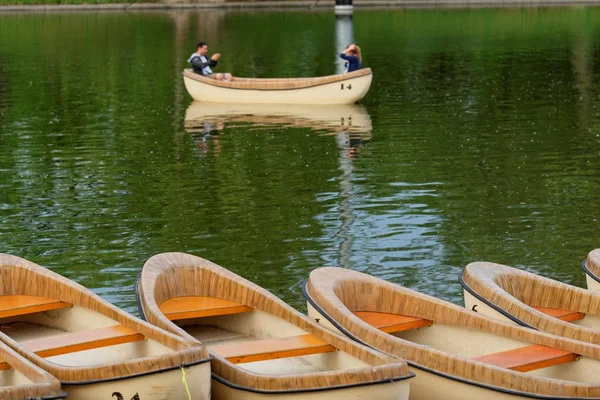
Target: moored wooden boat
(527,299)
(456,354)
(333,89)
(262,347)
(95,349)
(591,266)
(22,380)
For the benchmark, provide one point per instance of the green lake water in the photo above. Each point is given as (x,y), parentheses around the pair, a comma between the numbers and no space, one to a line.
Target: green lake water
(479,140)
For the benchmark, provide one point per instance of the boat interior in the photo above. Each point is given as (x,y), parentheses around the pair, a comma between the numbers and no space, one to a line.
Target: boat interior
(254,340)
(424,323)
(70,335)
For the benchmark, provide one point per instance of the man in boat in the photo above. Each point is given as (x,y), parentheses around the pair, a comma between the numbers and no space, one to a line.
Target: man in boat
(202,65)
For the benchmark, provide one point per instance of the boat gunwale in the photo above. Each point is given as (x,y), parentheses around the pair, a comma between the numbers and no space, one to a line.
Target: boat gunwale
(482,278)
(591,265)
(245,292)
(255,83)
(52,285)
(374,337)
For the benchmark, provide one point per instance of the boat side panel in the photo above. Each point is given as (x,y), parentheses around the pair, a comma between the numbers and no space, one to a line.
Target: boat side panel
(592,284)
(318,318)
(398,390)
(474,304)
(330,93)
(159,386)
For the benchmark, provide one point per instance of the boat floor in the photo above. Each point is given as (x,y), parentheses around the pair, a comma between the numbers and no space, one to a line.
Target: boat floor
(24,331)
(212,336)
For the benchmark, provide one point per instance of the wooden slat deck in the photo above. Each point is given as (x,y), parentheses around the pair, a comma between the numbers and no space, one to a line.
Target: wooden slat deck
(528,358)
(14,305)
(200,306)
(565,315)
(271,349)
(391,323)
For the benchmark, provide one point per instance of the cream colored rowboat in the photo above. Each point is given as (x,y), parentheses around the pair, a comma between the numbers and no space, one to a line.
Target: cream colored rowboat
(591,266)
(330,119)
(262,348)
(516,296)
(333,89)
(21,380)
(92,347)
(456,354)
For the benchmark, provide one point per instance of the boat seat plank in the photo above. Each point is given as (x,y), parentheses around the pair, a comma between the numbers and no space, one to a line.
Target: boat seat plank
(271,349)
(200,306)
(14,305)
(391,323)
(84,340)
(528,358)
(565,315)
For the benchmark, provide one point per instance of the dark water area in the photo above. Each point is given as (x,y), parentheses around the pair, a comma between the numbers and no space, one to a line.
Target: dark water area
(479,140)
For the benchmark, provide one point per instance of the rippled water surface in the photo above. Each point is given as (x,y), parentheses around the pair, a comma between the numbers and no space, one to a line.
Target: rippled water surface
(479,140)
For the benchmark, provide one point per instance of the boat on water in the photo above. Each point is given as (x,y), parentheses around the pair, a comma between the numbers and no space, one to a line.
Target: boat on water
(530,300)
(96,350)
(333,89)
(455,353)
(262,348)
(591,266)
(329,119)
(22,380)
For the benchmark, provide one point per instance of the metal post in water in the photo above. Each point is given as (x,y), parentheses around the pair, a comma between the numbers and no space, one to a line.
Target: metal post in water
(344,35)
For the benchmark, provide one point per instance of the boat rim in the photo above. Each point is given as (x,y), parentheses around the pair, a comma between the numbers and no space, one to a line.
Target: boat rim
(492,305)
(588,272)
(423,368)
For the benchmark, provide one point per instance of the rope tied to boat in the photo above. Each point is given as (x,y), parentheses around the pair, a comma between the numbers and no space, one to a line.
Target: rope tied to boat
(184,381)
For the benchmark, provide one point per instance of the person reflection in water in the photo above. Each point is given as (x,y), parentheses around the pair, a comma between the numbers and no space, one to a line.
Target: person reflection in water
(353,56)
(202,65)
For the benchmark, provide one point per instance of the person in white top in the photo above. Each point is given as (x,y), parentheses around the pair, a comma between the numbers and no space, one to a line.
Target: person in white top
(202,64)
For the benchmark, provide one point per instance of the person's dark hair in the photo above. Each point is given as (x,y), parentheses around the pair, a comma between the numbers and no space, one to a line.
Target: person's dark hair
(200,44)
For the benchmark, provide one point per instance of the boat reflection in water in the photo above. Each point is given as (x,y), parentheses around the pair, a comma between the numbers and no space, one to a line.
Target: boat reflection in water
(349,123)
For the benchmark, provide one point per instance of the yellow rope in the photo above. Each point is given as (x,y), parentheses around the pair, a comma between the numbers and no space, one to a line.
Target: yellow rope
(185,383)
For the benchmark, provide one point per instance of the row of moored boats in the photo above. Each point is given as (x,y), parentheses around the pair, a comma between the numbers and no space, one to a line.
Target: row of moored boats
(209,333)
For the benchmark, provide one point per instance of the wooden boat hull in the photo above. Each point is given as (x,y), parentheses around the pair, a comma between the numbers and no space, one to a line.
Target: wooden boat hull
(164,385)
(530,300)
(248,332)
(93,348)
(335,89)
(22,380)
(591,266)
(455,356)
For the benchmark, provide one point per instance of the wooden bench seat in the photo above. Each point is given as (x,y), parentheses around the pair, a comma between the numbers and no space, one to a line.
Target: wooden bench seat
(200,306)
(271,349)
(14,305)
(528,358)
(390,323)
(565,315)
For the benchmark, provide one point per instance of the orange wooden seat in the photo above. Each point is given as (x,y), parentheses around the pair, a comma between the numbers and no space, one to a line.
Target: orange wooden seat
(565,315)
(391,323)
(528,358)
(271,349)
(84,340)
(200,306)
(11,306)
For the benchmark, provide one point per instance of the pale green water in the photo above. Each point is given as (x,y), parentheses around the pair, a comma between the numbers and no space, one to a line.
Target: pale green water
(483,144)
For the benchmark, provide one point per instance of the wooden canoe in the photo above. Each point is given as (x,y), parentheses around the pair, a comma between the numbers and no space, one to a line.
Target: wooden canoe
(455,353)
(262,347)
(93,348)
(591,266)
(330,119)
(517,296)
(333,89)
(22,380)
